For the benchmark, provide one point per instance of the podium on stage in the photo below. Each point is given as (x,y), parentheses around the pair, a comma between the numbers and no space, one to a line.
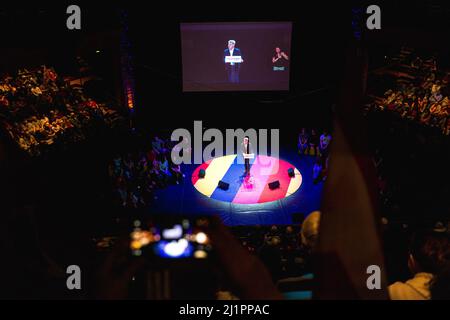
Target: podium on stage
(233,59)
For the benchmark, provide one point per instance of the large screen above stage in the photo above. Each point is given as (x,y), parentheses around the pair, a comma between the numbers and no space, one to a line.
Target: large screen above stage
(236,56)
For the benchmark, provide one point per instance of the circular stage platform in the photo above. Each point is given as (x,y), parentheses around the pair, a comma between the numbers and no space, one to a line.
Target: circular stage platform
(252,189)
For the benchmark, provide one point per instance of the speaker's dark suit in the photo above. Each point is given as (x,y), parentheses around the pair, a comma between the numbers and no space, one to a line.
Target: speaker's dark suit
(232,69)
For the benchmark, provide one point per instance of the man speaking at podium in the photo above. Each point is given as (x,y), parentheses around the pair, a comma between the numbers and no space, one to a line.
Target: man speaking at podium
(233,58)
(247,153)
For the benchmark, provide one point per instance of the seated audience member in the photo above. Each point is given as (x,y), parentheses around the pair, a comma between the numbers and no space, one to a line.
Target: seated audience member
(314,141)
(318,169)
(164,166)
(289,238)
(156,174)
(270,255)
(425,117)
(175,169)
(273,231)
(324,144)
(309,236)
(303,142)
(158,145)
(309,233)
(429,255)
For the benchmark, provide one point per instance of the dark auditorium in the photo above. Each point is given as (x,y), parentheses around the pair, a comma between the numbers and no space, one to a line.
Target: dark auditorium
(231,162)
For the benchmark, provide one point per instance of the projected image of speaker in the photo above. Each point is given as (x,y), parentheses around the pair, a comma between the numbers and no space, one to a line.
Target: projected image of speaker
(201,73)
(291,172)
(201,173)
(274,185)
(223,185)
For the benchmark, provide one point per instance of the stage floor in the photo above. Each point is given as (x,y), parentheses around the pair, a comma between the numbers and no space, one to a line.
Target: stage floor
(256,207)
(252,188)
